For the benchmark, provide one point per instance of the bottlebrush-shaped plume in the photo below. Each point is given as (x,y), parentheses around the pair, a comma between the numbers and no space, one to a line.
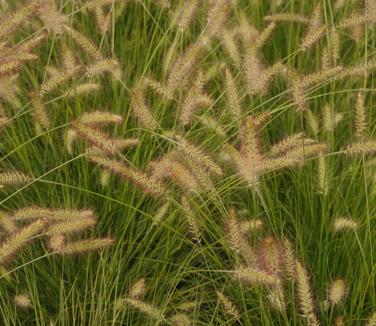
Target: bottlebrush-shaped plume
(256,75)
(330,118)
(288,17)
(237,238)
(217,17)
(140,179)
(137,290)
(232,95)
(251,225)
(212,124)
(254,276)
(361,124)
(180,320)
(370,11)
(51,17)
(365,147)
(289,259)
(10,23)
(105,66)
(70,226)
(22,301)
(182,176)
(83,89)
(184,14)
(59,79)
(228,40)
(193,227)
(40,112)
(102,18)
(7,223)
(85,43)
(245,31)
(141,110)
(31,213)
(270,256)
(316,29)
(251,163)
(372,320)
(300,85)
(337,291)
(161,213)
(146,308)
(9,89)
(197,155)
(13,178)
(304,295)
(101,140)
(322,175)
(13,244)
(344,223)
(56,242)
(86,245)
(277,298)
(194,100)
(100,118)
(183,69)
(228,306)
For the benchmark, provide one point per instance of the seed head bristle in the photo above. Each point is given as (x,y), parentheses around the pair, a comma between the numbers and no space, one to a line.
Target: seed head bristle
(14,178)
(57,80)
(229,44)
(237,238)
(138,289)
(140,179)
(372,320)
(95,137)
(277,298)
(145,308)
(51,17)
(287,17)
(361,124)
(216,20)
(85,43)
(322,175)
(184,14)
(305,295)
(100,118)
(40,112)
(181,320)
(17,240)
(7,223)
(101,67)
(183,69)
(344,223)
(254,276)
(198,155)
(141,110)
(194,100)
(22,301)
(70,226)
(193,227)
(337,291)
(82,89)
(86,245)
(212,124)
(232,94)
(229,307)
(289,259)
(10,23)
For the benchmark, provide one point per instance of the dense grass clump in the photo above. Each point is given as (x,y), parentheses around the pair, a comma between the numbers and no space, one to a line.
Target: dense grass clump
(202,162)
